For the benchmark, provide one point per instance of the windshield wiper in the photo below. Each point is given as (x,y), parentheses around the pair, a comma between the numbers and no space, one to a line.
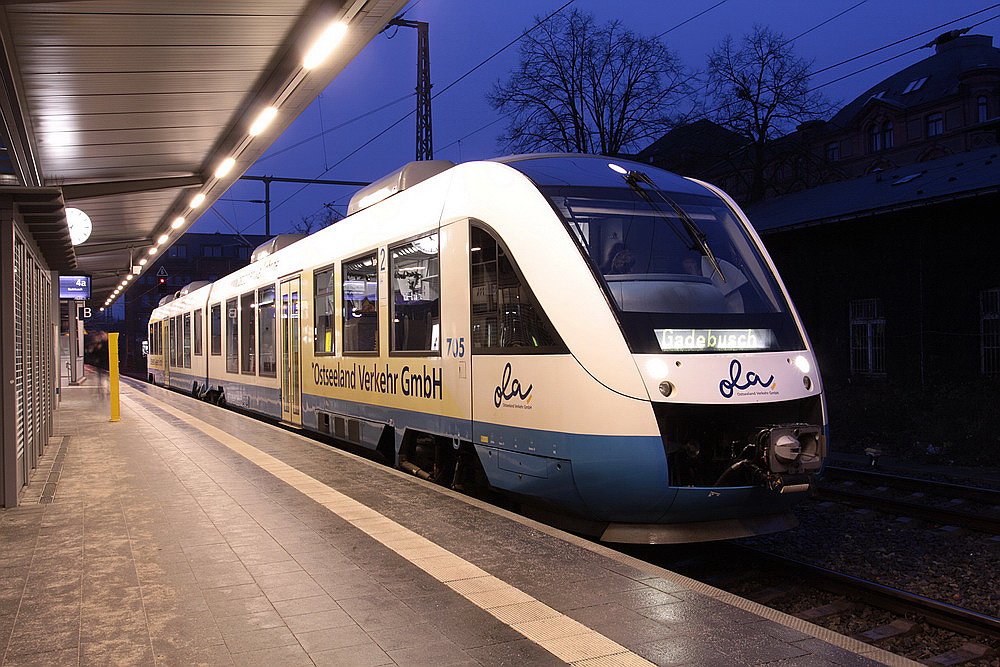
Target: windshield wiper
(635,177)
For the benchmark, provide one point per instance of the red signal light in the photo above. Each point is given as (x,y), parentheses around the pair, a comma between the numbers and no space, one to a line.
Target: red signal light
(163,280)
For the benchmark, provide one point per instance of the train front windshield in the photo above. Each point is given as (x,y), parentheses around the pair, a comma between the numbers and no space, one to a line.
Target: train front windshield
(678,264)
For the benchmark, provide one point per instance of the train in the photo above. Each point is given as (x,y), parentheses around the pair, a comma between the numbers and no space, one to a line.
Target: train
(606,344)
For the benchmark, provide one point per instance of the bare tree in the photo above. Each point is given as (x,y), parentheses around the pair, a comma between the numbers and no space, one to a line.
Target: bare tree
(759,89)
(582,88)
(314,222)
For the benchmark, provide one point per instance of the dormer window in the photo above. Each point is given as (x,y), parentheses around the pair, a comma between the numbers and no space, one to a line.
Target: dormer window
(915,85)
(887,141)
(982,109)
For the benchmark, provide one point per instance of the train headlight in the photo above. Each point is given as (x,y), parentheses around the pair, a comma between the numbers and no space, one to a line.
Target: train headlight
(806,382)
(666,388)
(802,364)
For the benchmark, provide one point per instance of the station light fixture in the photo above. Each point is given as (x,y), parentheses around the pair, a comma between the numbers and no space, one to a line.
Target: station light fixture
(178,222)
(128,277)
(262,120)
(225,167)
(101,310)
(324,45)
(163,239)
(142,262)
(153,250)
(197,200)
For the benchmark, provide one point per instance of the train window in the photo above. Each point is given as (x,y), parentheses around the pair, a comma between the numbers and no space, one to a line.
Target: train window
(197,332)
(265,331)
(416,296)
(361,304)
(505,315)
(324,306)
(186,342)
(232,338)
(215,329)
(248,337)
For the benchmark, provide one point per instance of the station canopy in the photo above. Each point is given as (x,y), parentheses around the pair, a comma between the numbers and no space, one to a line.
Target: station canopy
(131,107)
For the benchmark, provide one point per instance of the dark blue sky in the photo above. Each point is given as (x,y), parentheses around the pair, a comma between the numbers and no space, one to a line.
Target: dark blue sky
(463,33)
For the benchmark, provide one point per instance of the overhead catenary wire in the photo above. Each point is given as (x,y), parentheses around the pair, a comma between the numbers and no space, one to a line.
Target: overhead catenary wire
(435,95)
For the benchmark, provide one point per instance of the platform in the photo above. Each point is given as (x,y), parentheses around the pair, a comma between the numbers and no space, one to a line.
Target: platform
(187,534)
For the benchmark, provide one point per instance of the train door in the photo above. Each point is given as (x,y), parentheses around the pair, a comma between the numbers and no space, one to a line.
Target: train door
(291,380)
(165,347)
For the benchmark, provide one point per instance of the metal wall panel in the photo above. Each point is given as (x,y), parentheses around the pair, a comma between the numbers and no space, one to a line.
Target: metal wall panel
(19,358)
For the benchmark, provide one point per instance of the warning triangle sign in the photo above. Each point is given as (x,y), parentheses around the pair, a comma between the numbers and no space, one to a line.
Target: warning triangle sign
(162,273)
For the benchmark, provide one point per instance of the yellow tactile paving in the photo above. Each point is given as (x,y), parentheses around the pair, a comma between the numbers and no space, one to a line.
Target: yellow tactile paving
(565,638)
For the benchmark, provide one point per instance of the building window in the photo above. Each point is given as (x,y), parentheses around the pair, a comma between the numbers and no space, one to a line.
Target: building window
(887,140)
(243,252)
(197,332)
(186,344)
(833,151)
(935,125)
(212,251)
(265,332)
(215,329)
(867,337)
(179,251)
(506,317)
(915,85)
(325,288)
(874,139)
(248,335)
(232,337)
(416,296)
(982,109)
(360,296)
(989,331)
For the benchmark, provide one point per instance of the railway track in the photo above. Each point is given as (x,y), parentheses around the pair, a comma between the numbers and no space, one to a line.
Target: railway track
(971,507)
(882,615)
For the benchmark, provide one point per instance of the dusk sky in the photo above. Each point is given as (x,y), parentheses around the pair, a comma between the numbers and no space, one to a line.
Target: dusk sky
(464,33)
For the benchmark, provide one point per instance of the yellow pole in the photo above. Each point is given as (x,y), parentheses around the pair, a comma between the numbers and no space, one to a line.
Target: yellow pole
(113,371)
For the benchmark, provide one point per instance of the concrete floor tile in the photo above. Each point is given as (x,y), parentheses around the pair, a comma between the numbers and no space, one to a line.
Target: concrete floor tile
(241,607)
(244,640)
(332,638)
(69,657)
(319,620)
(118,652)
(285,656)
(307,605)
(364,655)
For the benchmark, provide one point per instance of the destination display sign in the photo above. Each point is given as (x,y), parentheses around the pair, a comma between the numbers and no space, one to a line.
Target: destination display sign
(712,340)
(74,287)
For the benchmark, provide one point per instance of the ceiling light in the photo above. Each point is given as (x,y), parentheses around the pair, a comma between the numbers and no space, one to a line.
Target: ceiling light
(178,222)
(142,262)
(263,119)
(323,46)
(225,167)
(128,277)
(153,251)
(197,200)
(101,310)
(163,239)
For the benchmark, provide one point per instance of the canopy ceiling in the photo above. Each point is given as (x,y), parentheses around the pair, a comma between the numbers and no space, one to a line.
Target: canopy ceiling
(130,106)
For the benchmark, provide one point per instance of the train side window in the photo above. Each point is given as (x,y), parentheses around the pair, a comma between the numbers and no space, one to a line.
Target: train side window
(186,345)
(232,337)
(248,337)
(215,329)
(325,289)
(506,317)
(360,299)
(265,332)
(198,331)
(171,338)
(416,295)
